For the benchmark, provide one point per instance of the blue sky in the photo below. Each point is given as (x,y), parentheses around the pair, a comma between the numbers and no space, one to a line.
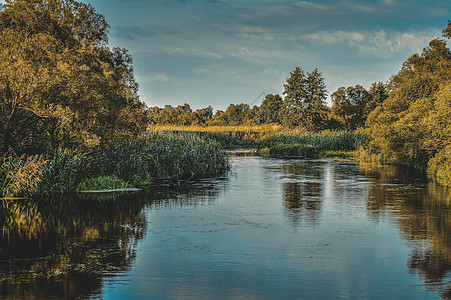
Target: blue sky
(217,52)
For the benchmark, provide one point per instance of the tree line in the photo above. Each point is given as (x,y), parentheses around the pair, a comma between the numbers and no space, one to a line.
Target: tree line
(303,105)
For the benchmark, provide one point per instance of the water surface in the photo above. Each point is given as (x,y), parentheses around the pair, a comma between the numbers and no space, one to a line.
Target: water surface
(272,229)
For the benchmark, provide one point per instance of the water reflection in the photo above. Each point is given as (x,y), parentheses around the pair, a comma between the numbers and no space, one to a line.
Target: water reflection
(301,196)
(423,211)
(234,237)
(58,249)
(65,248)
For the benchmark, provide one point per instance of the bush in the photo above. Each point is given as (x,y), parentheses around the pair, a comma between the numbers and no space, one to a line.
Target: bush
(440,166)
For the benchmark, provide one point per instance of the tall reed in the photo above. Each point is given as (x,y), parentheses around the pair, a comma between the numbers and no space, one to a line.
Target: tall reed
(158,156)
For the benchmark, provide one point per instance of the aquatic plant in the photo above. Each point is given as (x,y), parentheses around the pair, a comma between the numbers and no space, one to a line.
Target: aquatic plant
(102,183)
(157,156)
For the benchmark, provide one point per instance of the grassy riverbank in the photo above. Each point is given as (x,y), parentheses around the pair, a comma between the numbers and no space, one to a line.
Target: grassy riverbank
(276,141)
(159,156)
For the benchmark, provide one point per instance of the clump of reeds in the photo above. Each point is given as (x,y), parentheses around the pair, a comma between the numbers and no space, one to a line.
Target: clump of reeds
(344,141)
(313,145)
(158,156)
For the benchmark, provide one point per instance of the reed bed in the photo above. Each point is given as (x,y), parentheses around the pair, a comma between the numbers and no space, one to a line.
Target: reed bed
(275,140)
(168,156)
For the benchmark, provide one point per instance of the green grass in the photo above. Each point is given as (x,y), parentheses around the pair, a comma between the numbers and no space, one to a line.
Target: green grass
(102,183)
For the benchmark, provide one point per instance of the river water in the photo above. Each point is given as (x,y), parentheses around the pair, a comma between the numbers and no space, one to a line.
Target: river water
(271,229)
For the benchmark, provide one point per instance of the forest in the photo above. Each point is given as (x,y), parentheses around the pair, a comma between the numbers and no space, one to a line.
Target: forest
(70,103)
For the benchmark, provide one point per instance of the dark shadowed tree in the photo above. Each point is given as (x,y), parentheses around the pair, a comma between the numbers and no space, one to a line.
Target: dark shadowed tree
(379,93)
(235,115)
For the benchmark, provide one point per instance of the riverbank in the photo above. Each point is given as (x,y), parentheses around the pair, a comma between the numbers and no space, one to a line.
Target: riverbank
(158,156)
(276,141)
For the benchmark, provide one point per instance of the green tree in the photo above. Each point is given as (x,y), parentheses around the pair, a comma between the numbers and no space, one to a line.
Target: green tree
(235,115)
(57,72)
(379,93)
(404,129)
(349,106)
(293,103)
(270,109)
(305,100)
(202,116)
(315,102)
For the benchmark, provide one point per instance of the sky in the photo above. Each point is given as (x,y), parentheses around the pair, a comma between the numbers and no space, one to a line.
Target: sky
(218,52)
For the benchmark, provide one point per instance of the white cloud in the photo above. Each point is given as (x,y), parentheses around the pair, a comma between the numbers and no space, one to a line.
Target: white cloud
(194,52)
(390,2)
(158,77)
(312,5)
(379,43)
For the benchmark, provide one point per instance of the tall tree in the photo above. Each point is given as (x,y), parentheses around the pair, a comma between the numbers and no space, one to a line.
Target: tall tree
(305,100)
(379,93)
(447,30)
(295,94)
(315,101)
(56,71)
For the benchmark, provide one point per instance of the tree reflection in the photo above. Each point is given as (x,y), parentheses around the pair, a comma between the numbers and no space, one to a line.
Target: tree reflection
(63,248)
(424,217)
(302,197)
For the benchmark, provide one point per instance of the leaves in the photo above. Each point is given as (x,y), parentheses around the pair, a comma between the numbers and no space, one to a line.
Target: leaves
(57,71)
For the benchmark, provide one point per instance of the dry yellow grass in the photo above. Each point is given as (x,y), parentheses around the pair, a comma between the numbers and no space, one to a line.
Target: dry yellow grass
(271,128)
(261,130)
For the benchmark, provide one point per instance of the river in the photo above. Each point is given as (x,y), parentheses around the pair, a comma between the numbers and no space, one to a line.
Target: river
(270,229)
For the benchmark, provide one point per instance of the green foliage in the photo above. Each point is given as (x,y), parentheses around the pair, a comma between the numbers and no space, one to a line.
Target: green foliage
(413,122)
(345,141)
(304,102)
(349,106)
(60,85)
(102,183)
(64,171)
(440,166)
(270,109)
(171,157)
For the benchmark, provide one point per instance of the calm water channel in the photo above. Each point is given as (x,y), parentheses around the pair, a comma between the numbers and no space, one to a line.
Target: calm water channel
(272,229)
